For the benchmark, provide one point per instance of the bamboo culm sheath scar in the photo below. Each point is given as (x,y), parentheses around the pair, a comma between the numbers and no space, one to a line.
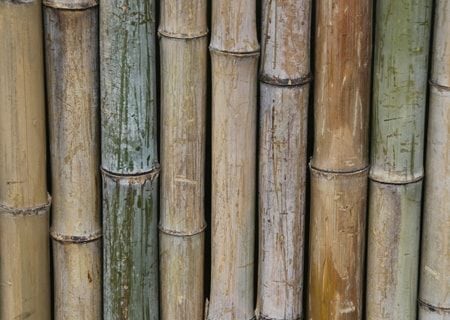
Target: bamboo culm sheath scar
(129,159)
(184,46)
(284,87)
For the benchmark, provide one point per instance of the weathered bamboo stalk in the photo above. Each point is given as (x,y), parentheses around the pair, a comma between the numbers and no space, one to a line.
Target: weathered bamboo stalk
(399,100)
(184,47)
(434,294)
(129,159)
(285,75)
(24,204)
(339,166)
(71,34)
(234,52)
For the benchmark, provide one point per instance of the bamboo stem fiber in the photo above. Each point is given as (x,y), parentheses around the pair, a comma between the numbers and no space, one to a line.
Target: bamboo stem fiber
(71,37)
(184,47)
(129,159)
(24,203)
(284,85)
(434,294)
(402,36)
(234,53)
(340,161)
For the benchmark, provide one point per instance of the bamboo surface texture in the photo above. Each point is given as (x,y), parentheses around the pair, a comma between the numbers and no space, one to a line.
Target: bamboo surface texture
(402,36)
(129,159)
(73,100)
(284,87)
(24,204)
(434,294)
(184,47)
(234,52)
(340,159)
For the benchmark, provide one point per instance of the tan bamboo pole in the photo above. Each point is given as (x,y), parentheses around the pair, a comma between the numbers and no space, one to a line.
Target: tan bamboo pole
(184,47)
(284,87)
(234,52)
(340,161)
(24,204)
(402,36)
(434,293)
(71,34)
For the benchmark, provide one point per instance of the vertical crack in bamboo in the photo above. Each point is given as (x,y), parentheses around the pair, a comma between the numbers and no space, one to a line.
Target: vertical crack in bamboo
(234,52)
(434,292)
(284,87)
(24,203)
(339,166)
(71,38)
(402,37)
(129,159)
(183,41)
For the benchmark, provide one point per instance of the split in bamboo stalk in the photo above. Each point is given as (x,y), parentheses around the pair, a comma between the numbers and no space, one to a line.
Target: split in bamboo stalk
(284,89)
(129,159)
(234,53)
(339,166)
(71,34)
(24,203)
(399,100)
(434,293)
(184,46)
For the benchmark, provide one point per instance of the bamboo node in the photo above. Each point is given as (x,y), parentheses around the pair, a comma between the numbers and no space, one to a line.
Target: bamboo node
(329,173)
(182,36)
(181,233)
(70,5)
(32,211)
(138,178)
(438,86)
(264,77)
(261,317)
(432,308)
(75,239)
(234,54)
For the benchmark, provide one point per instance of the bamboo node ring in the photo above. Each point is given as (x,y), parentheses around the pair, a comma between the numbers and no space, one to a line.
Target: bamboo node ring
(32,211)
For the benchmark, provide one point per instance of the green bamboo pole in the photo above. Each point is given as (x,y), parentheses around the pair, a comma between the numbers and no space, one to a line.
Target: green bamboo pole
(402,38)
(129,159)
(24,204)
(73,101)
(184,47)
(284,86)
(234,53)
(434,297)
(339,166)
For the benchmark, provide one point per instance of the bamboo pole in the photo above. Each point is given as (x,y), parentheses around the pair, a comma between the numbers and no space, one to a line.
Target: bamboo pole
(399,101)
(24,204)
(184,41)
(129,159)
(234,53)
(434,297)
(340,161)
(71,34)
(284,85)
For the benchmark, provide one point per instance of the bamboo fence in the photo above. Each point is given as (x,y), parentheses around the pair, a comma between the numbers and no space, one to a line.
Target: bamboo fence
(183,32)
(73,101)
(24,204)
(399,100)
(234,53)
(339,165)
(284,87)
(129,159)
(434,297)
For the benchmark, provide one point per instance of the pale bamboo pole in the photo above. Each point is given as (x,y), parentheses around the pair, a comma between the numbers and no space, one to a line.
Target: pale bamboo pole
(184,46)
(71,34)
(234,52)
(284,85)
(24,204)
(402,36)
(339,166)
(129,159)
(434,293)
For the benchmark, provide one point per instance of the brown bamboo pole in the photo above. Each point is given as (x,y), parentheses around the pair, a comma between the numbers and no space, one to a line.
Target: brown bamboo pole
(184,46)
(24,204)
(234,53)
(434,293)
(340,161)
(284,85)
(71,34)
